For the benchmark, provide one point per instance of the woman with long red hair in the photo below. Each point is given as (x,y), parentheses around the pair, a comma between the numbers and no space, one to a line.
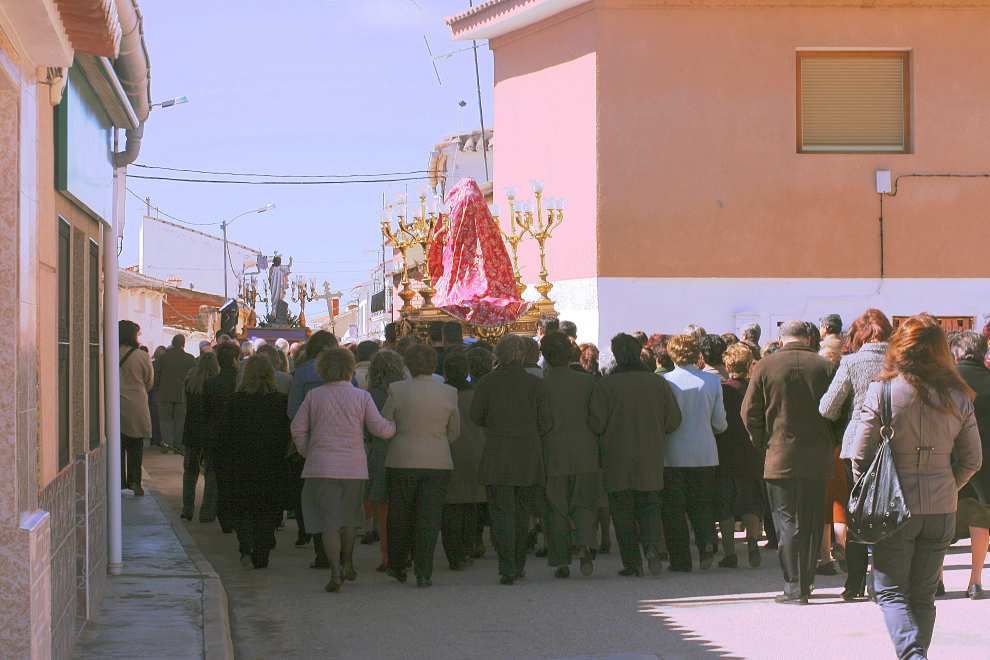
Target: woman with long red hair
(932,416)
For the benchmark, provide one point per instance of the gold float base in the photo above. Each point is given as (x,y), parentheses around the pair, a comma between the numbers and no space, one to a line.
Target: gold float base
(417,321)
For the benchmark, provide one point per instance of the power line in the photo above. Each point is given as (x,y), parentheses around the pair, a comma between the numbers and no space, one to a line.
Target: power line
(275,183)
(281,176)
(193,224)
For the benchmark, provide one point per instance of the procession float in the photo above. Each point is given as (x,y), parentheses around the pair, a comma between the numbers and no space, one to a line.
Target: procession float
(467,274)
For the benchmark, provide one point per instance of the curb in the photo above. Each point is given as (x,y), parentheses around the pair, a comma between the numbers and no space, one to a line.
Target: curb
(217,644)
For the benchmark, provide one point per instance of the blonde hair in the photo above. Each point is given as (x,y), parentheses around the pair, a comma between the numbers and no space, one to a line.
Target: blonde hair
(336,364)
(258,376)
(738,360)
(683,350)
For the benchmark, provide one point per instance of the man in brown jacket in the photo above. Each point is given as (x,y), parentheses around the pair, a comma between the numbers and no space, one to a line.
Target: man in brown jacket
(781,414)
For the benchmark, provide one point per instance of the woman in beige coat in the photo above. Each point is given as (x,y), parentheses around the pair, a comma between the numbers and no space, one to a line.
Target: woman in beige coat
(136,379)
(418,464)
(936,448)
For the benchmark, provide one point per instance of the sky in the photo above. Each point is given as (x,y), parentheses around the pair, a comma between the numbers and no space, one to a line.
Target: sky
(299,87)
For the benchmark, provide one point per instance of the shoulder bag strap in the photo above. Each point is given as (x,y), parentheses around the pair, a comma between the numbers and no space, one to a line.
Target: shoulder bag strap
(886,414)
(126,355)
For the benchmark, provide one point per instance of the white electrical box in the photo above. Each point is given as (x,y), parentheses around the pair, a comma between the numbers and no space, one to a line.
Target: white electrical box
(883,182)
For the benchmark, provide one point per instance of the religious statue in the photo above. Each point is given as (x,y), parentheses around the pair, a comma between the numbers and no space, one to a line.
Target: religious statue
(278,279)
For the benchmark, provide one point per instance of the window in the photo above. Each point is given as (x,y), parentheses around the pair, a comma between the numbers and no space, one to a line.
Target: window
(853,102)
(94,345)
(64,313)
(949,323)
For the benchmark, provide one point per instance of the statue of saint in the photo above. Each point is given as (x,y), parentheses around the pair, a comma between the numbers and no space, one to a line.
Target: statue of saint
(278,279)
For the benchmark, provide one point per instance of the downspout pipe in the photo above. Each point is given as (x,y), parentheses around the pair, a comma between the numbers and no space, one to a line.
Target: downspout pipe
(133,69)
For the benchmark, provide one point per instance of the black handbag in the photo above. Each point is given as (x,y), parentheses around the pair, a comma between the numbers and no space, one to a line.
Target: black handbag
(876,507)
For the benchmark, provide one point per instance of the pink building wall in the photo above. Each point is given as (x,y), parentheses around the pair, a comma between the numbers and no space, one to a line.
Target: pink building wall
(671,131)
(546,113)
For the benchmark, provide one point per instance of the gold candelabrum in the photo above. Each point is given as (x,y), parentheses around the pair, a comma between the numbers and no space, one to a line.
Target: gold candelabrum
(417,223)
(249,290)
(403,238)
(302,289)
(529,217)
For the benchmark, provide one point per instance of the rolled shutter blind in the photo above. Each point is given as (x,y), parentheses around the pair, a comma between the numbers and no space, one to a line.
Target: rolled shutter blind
(852,103)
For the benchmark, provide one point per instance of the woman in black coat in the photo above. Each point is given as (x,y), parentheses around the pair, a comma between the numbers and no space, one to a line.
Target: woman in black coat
(254,438)
(195,434)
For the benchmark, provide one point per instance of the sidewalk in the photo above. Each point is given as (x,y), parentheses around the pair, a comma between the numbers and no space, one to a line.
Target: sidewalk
(168,603)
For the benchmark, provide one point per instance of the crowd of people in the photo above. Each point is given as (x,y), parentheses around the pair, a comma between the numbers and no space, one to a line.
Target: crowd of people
(671,440)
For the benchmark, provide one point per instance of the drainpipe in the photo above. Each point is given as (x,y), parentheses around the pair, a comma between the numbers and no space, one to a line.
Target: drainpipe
(133,70)
(111,370)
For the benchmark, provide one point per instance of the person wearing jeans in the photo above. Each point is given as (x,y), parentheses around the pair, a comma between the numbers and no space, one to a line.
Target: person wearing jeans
(935,444)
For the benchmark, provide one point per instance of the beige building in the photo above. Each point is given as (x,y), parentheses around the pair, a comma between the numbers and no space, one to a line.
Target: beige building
(720,157)
(72,73)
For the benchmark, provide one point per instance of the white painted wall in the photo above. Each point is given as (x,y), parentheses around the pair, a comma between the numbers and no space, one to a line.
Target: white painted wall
(144,307)
(167,250)
(667,305)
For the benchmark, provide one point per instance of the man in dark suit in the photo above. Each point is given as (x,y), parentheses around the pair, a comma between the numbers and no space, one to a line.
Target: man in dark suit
(781,414)
(513,408)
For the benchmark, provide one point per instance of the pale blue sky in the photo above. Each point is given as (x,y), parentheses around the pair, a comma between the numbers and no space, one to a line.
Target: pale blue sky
(298,87)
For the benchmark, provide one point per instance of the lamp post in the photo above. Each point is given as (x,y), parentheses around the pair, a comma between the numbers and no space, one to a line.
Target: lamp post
(223,225)
(178,100)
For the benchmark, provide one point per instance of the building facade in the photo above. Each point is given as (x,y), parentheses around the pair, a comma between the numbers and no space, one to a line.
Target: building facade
(62,101)
(721,157)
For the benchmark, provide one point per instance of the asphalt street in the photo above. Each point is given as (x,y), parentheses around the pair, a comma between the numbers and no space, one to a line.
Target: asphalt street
(283,612)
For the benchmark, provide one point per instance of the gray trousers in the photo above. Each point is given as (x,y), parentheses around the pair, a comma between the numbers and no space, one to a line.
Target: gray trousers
(572,503)
(799,516)
(192,463)
(906,567)
(171,420)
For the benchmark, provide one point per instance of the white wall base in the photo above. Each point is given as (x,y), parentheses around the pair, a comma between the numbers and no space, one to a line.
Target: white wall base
(602,307)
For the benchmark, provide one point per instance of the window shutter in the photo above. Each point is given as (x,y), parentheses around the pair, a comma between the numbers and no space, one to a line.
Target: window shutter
(852,102)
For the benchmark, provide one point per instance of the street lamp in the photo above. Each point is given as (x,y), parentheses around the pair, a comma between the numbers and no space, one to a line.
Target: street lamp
(226,253)
(178,100)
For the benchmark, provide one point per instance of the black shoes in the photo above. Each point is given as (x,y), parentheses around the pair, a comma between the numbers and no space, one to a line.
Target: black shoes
(371,537)
(632,571)
(138,491)
(754,552)
(826,569)
(562,572)
(506,580)
(186,515)
(784,599)
(302,540)
(705,559)
(423,582)
(397,574)
(975,592)
(729,561)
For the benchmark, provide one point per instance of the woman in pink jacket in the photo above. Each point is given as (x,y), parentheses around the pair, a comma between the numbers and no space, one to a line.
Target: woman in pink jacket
(328,430)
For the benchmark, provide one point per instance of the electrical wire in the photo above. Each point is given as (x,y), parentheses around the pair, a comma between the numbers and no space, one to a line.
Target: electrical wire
(275,183)
(193,224)
(280,176)
(939,176)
